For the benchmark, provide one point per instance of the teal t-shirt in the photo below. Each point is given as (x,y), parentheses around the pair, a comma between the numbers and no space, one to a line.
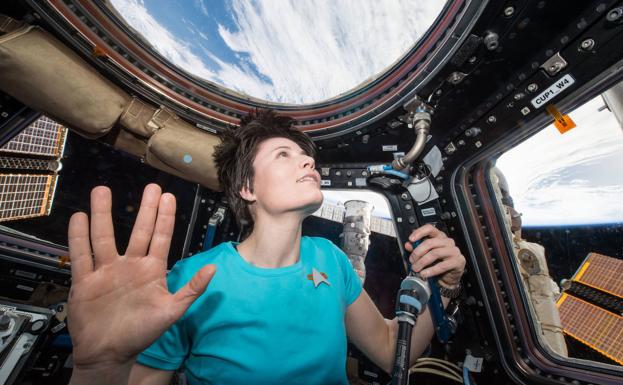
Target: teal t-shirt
(261,326)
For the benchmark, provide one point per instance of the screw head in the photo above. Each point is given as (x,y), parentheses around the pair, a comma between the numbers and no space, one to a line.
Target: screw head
(557,66)
(587,44)
(455,78)
(533,87)
(491,119)
(473,131)
(491,41)
(509,11)
(615,14)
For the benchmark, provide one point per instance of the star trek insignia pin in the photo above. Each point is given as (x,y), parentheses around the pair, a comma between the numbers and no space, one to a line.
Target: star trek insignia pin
(318,277)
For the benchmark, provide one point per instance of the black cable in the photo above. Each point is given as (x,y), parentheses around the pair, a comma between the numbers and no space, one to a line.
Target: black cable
(424,178)
(400,372)
(411,301)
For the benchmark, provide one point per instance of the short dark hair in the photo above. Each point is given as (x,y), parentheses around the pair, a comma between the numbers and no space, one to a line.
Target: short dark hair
(235,154)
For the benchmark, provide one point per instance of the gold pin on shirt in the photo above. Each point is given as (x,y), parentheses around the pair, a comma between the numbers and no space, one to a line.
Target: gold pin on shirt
(318,277)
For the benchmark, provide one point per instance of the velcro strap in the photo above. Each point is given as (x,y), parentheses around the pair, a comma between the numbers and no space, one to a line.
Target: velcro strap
(160,118)
(408,300)
(9,24)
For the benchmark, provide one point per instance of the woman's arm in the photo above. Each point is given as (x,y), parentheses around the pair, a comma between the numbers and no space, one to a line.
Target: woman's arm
(376,336)
(369,331)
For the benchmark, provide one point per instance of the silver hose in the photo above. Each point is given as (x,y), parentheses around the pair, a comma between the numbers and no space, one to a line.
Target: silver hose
(421,124)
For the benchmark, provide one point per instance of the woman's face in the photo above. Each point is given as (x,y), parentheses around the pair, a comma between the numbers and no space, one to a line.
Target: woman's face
(285,179)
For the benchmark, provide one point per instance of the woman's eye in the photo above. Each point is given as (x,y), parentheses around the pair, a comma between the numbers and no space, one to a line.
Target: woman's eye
(282,154)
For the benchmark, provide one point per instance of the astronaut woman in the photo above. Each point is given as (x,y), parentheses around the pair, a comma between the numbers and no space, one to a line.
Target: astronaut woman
(279,306)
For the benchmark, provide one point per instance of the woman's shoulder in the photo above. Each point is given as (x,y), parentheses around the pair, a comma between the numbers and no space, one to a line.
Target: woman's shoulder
(216,255)
(319,242)
(322,248)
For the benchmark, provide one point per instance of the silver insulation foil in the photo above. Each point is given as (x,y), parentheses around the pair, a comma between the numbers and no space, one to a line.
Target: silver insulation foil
(356,234)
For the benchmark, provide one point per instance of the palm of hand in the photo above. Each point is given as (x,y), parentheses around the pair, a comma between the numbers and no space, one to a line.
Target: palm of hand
(126,296)
(119,305)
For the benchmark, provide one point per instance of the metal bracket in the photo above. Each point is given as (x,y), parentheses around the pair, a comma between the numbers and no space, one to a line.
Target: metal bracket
(554,64)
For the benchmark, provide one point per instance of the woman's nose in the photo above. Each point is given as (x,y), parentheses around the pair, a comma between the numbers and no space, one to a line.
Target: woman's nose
(308,162)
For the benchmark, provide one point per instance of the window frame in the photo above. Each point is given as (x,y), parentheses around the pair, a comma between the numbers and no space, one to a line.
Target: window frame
(488,248)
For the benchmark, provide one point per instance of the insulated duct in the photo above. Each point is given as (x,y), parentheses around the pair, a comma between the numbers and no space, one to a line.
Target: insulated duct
(41,72)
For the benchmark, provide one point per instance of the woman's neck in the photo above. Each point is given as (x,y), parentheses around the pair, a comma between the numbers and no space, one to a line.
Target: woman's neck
(274,242)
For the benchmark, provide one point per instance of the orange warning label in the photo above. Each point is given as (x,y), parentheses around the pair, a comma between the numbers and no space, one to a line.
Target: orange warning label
(99,52)
(63,260)
(562,122)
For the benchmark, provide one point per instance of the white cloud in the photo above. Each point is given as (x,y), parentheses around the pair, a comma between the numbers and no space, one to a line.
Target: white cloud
(313,50)
(178,51)
(192,28)
(202,6)
(308,50)
(571,178)
(203,35)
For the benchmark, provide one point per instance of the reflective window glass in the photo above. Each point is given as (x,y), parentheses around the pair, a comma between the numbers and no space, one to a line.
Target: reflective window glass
(562,194)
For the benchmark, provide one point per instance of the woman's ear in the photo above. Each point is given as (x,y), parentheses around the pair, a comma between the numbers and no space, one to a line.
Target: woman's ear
(247,194)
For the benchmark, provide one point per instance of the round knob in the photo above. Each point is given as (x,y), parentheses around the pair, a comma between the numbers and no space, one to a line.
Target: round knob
(5,322)
(37,326)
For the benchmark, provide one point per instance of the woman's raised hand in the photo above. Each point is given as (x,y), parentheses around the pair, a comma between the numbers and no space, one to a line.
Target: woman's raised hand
(119,304)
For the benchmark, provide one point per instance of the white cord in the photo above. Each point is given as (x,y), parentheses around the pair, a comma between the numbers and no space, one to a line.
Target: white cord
(447,366)
(424,363)
(436,364)
(437,373)
(422,359)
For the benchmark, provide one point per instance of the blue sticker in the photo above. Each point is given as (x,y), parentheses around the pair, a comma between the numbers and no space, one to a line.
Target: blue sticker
(188,158)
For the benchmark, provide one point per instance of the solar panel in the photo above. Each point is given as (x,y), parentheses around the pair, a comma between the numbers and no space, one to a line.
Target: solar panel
(25,196)
(599,298)
(336,213)
(593,326)
(7,162)
(29,164)
(603,273)
(44,137)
